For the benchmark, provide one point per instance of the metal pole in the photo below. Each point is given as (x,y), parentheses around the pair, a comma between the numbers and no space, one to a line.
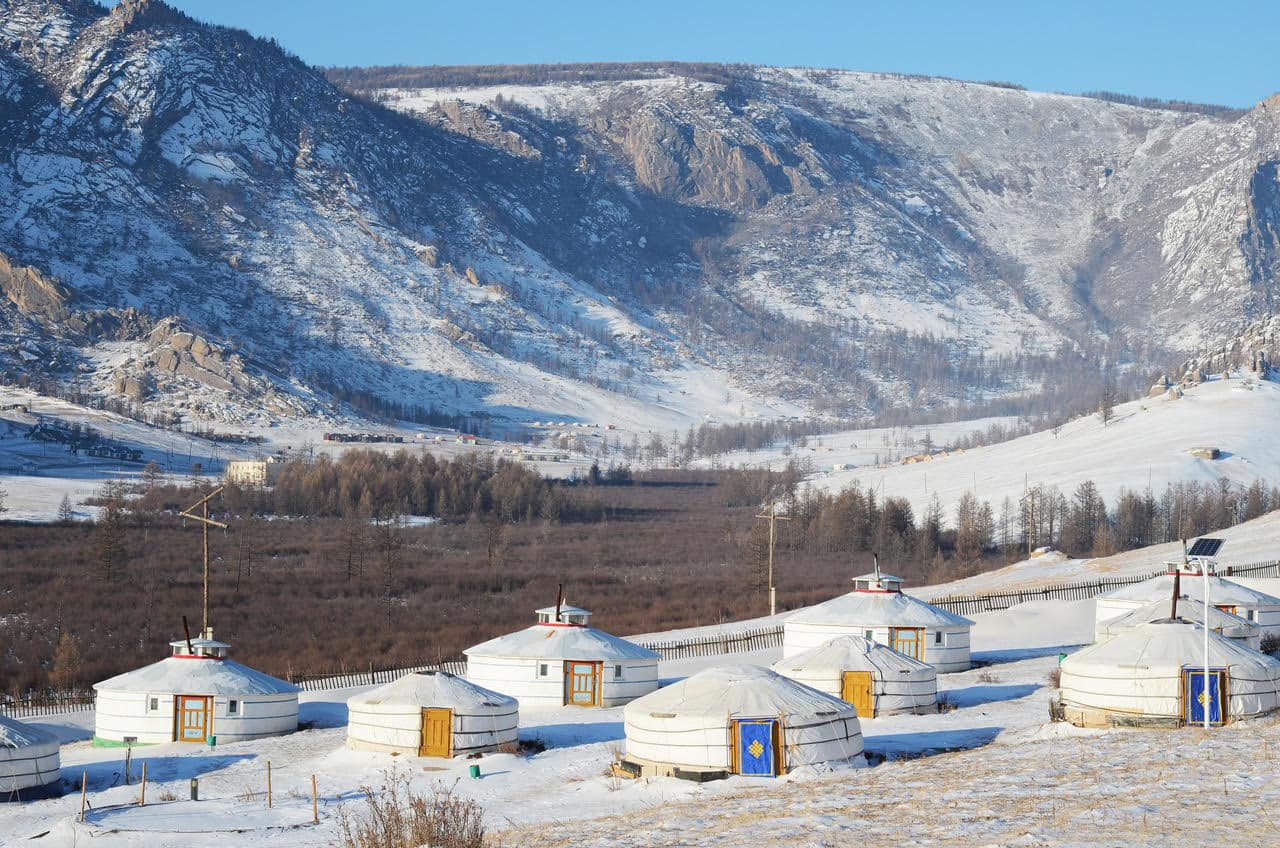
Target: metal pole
(204,633)
(1205,570)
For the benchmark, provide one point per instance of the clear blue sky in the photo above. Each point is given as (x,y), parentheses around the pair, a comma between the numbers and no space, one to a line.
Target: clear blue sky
(1218,52)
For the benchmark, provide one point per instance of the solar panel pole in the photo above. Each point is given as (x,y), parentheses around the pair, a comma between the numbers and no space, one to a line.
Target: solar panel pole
(1205,571)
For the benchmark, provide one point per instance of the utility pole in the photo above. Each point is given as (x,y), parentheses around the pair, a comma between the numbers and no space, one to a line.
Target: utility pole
(205,520)
(773,516)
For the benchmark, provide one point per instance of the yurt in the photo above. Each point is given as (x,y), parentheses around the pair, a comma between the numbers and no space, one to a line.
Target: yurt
(563,661)
(1250,604)
(877,609)
(875,678)
(431,714)
(29,763)
(1154,675)
(198,695)
(1227,624)
(737,719)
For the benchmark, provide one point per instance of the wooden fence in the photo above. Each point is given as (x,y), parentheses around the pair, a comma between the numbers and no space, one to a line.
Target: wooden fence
(970,604)
(345,678)
(43,705)
(724,643)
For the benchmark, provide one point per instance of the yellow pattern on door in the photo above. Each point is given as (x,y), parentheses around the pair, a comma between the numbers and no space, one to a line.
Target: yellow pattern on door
(856,689)
(437,733)
(582,683)
(192,721)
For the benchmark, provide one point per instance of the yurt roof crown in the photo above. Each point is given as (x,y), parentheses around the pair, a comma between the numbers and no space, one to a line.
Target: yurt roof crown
(877,581)
(203,648)
(564,615)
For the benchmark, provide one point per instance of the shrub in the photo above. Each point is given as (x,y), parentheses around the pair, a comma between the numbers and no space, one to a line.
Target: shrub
(398,817)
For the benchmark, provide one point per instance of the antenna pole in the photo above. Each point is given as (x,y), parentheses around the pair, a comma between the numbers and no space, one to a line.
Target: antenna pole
(205,520)
(773,591)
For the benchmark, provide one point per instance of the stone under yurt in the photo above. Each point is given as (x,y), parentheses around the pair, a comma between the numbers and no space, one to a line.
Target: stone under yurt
(198,695)
(875,678)
(29,761)
(1228,624)
(1153,675)
(877,609)
(431,714)
(737,719)
(564,661)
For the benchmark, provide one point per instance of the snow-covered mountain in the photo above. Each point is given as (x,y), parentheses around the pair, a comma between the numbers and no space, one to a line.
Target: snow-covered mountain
(197,221)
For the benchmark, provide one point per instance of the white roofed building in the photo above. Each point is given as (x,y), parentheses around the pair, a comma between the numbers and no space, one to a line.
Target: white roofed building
(431,714)
(873,677)
(1154,675)
(877,609)
(564,661)
(195,694)
(1227,624)
(737,719)
(29,762)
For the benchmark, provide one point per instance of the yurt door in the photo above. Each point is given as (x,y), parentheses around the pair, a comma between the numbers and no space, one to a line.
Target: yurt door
(437,733)
(192,718)
(582,683)
(1197,697)
(753,747)
(907,640)
(856,689)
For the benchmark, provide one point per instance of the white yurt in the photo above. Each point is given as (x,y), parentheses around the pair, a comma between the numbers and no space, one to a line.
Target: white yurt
(564,661)
(873,677)
(431,714)
(1153,675)
(737,719)
(29,761)
(1220,621)
(1250,604)
(193,695)
(877,609)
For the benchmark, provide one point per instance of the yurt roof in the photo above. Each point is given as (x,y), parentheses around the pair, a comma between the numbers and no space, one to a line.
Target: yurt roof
(879,608)
(432,689)
(560,642)
(565,609)
(197,677)
(1168,644)
(882,577)
(853,653)
(15,734)
(1191,609)
(1221,591)
(738,690)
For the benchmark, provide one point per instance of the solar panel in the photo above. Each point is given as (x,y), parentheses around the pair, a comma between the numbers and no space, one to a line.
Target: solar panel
(1206,547)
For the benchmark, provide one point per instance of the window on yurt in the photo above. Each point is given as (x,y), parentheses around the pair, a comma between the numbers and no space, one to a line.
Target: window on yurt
(233,707)
(542,670)
(617,672)
(869,636)
(154,705)
(937,638)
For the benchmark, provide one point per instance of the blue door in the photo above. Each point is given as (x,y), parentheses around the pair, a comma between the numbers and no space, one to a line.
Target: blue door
(755,747)
(1197,697)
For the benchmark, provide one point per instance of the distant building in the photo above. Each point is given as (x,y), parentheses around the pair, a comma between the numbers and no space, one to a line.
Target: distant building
(466,439)
(252,472)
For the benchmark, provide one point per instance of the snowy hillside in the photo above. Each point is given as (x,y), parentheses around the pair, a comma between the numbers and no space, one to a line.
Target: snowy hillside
(199,224)
(1146,444)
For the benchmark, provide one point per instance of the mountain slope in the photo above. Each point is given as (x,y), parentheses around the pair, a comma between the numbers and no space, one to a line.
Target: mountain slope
(197,222)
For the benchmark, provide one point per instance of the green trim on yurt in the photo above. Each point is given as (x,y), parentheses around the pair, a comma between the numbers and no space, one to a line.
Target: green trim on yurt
(99,742)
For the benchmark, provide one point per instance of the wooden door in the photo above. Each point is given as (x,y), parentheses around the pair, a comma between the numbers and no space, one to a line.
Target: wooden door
(856,689)
(907,640)
(437,733)
(582,683)
(1226,608)
(191,718)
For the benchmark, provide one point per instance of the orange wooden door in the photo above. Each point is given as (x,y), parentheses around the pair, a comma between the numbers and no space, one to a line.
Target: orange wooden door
(582,683)
(856,689)
(437,733)
(192,718)
(907,640)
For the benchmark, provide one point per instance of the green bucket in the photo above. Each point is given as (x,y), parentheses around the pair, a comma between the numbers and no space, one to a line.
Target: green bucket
(475,771)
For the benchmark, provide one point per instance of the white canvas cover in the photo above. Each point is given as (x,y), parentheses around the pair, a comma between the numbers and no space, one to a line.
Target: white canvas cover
(900,683)
(687,724)
(1222,592)
(945,644)
(140,704)
(562,642)
(389,718)
(1139,673)
(29,758)
(1220,621)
